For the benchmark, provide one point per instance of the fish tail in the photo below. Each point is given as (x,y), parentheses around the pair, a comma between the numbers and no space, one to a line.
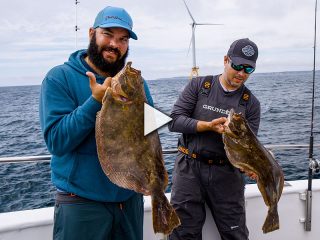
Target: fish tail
(164,216)
(272,220)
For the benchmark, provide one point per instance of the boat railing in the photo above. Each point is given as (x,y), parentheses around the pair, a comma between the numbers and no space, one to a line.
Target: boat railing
(43,158)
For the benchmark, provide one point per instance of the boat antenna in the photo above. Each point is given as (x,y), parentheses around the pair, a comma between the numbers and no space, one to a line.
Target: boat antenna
(314,165)
(76,28)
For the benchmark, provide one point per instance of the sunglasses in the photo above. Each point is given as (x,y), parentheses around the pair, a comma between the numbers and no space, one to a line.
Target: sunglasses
(247,69)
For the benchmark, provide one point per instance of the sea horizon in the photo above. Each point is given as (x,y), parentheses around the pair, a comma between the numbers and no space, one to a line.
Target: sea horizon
(163,78)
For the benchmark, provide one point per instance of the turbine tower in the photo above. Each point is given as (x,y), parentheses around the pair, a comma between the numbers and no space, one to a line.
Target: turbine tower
(195,68)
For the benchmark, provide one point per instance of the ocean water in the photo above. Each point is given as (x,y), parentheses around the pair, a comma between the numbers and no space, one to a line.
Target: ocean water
(286,117)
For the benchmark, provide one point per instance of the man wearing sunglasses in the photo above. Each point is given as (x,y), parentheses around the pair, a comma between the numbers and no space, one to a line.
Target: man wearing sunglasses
(239,63)
(202,173)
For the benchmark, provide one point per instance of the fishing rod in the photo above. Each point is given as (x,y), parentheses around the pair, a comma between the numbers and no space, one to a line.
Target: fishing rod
(76,28)
(314,165)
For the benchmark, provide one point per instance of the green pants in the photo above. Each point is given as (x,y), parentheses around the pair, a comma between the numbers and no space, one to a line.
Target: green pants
(90,220)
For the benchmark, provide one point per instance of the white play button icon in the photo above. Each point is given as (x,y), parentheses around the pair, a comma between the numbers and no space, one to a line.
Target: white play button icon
(153,119)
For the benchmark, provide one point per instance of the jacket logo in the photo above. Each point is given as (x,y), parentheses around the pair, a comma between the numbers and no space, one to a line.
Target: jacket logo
(207,85)
(215,109)
(245,97)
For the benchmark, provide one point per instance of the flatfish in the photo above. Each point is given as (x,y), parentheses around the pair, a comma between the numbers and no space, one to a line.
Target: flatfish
(244,151)
(130,159)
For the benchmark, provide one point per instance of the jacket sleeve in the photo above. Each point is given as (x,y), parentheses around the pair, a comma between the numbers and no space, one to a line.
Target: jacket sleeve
(253,115)
(148,95)
(182,111)
(64,124)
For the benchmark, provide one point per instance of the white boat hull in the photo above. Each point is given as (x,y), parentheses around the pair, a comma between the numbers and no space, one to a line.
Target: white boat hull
(37,224)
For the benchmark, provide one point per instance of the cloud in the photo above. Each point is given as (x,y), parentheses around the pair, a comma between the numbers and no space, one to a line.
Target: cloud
(36,35)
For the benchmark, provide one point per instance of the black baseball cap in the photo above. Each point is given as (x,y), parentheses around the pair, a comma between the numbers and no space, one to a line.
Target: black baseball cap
(243,51)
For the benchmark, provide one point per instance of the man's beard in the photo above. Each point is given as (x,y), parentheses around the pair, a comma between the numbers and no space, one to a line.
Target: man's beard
(96,57)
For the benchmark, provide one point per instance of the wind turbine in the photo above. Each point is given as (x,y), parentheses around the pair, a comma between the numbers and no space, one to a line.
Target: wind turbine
(195,68)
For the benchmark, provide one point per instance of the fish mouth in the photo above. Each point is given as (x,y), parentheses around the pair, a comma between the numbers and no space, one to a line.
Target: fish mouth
(228,124)
(229,118)
(122,97)
(118,94)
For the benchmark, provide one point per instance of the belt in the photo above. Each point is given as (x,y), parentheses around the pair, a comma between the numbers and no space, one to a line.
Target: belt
(210,161)
(70,198)
(186,152)
(65,197)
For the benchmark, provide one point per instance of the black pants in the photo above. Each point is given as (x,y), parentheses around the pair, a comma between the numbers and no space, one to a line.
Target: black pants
(220,187)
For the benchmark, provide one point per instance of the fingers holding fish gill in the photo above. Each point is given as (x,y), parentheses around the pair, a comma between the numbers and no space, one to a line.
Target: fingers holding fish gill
(218,124)
(98,90)
(107,82)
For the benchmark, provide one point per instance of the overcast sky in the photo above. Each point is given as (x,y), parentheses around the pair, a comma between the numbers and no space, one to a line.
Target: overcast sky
(36,35)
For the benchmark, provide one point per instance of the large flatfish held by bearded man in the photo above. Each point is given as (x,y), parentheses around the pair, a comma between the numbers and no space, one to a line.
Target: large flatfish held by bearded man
(130,159)
(244,151)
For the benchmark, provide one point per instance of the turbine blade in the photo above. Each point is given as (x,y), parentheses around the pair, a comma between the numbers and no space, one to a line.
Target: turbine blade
(189,11)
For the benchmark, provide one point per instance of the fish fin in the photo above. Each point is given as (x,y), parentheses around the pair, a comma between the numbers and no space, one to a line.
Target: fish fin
(272,220)
(98,134)
(165,218)
(126,180)
(280,185)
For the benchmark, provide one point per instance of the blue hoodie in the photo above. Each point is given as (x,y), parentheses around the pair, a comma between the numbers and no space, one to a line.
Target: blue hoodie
(67,117)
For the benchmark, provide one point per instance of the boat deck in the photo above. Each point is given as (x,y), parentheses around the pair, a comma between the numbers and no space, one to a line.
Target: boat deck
(37,224)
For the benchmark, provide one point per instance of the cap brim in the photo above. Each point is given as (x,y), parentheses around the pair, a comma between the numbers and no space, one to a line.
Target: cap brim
(240,61)
(109,25)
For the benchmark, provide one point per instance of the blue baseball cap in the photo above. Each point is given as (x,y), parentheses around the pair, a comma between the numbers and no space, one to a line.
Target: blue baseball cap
(114,17)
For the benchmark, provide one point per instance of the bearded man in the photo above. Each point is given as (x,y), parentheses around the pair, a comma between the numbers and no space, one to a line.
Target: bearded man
(87,204)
